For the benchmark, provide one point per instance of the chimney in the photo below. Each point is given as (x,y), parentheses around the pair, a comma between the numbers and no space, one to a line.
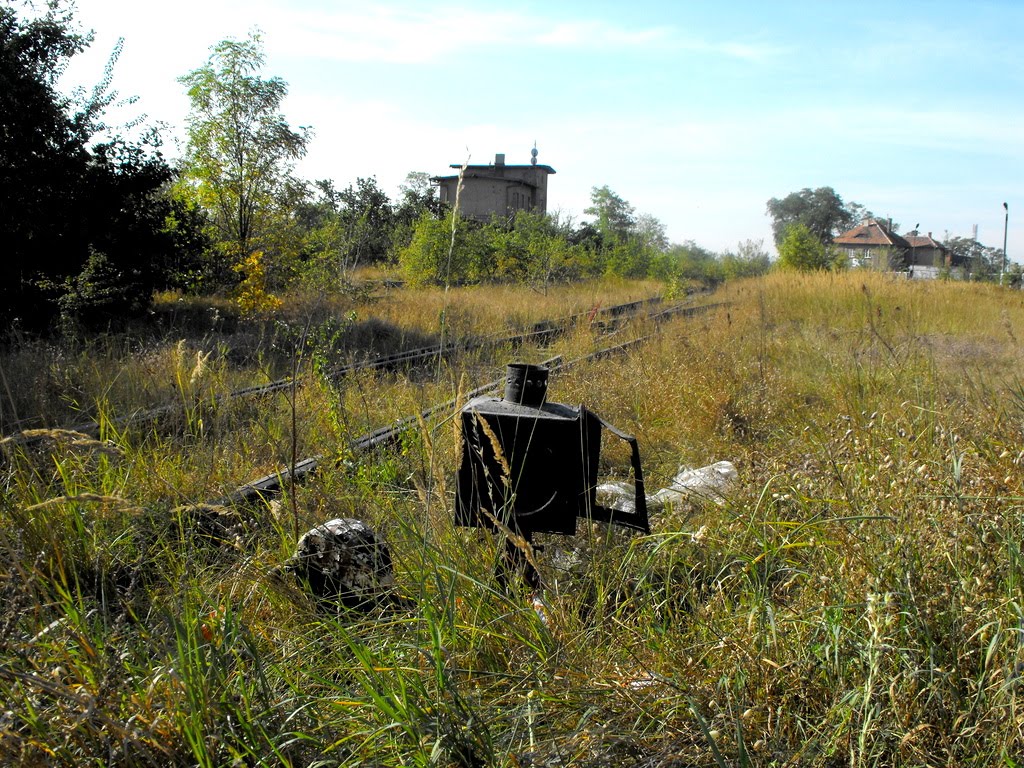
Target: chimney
(499,159)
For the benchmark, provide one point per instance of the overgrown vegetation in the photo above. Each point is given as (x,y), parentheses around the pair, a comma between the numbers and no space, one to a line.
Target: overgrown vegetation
(99,221)
(83,214)
(806,223)
(856,601)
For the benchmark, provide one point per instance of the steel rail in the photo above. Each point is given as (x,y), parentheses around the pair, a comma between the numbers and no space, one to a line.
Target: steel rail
(274,484)
(543,331)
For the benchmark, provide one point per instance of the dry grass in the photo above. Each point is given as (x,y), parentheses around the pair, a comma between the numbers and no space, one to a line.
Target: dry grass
(48,385)
(856,601)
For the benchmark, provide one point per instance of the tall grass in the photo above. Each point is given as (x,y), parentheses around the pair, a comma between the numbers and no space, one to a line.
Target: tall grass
(857,600)
(54,384)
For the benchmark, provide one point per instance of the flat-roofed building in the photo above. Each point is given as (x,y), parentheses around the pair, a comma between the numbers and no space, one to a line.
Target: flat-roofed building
(497,189)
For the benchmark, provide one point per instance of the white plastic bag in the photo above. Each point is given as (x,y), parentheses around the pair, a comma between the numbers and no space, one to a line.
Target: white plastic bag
(710,483)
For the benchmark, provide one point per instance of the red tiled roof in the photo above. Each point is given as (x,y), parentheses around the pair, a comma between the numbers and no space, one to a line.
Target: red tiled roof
(924,241)
(871,233)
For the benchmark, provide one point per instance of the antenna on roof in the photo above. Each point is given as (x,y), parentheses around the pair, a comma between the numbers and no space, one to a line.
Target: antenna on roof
(533,154)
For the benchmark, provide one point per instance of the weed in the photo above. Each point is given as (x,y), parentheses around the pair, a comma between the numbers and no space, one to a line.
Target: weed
(857,599)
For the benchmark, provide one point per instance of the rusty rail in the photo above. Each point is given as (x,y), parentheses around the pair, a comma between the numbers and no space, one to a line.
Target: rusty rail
(274,484)
(542,332)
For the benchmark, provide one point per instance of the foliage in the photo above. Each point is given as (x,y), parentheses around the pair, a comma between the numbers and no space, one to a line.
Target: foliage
(750,260)
(855,598)
(1014,277)
(188,266)
(822,211)
(650,231)
(253,298)
(416,197)
(368,219)
(431,257)
(688,261)
(74,205)
(241,150)
(614,218)
(539,250)
(348,228)
(978,261)
(802,250)
(534,250)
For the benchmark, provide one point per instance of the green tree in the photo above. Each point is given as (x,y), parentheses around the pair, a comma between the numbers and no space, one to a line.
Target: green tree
(532,249)
(416,196)
(188,267)
(613,217)
(651,232)
(241,151)
(749,260)
(82,218)
(344,229)
(368,219)
(979,261)
(435,257)
(687,262)
(802,250)
(820,210)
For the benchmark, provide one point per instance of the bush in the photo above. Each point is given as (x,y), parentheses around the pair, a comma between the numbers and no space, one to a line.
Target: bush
(802,251)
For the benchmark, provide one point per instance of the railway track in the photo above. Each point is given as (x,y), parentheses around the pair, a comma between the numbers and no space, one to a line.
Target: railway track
(272,485)
(542,333)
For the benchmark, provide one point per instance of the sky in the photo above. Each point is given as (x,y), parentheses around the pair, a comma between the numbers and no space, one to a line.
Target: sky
(696,112)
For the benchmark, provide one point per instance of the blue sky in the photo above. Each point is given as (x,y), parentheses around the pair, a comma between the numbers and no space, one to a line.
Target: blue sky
(695,112)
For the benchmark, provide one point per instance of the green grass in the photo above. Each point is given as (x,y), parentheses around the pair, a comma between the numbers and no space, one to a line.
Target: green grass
(856,601)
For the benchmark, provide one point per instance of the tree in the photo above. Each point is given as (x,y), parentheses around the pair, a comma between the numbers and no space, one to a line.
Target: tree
(820,210)
(82,219)
(367,218)
(416,195)
(802,250)
(651,232)
(687,261)
(343,229)
(437,256)
(979,261)
(614,218)
(241,151)
(750,259)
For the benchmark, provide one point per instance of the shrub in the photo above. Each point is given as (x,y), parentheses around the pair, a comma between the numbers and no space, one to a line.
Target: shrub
(802,251)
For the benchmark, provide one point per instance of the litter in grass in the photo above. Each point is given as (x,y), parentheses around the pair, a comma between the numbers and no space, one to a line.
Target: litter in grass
(710,483)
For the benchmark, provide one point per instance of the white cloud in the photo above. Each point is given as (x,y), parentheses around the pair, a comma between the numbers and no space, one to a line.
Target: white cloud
(598,34)
(407,34)
(374,33)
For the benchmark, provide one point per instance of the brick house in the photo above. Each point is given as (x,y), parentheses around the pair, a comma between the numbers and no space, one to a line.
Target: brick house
(873,244)
(927,257)
(497,189)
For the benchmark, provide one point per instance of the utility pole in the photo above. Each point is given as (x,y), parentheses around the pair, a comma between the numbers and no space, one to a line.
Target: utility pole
(1006,225)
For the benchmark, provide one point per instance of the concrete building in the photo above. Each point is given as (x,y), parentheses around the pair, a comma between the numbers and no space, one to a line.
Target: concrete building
(497,189)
